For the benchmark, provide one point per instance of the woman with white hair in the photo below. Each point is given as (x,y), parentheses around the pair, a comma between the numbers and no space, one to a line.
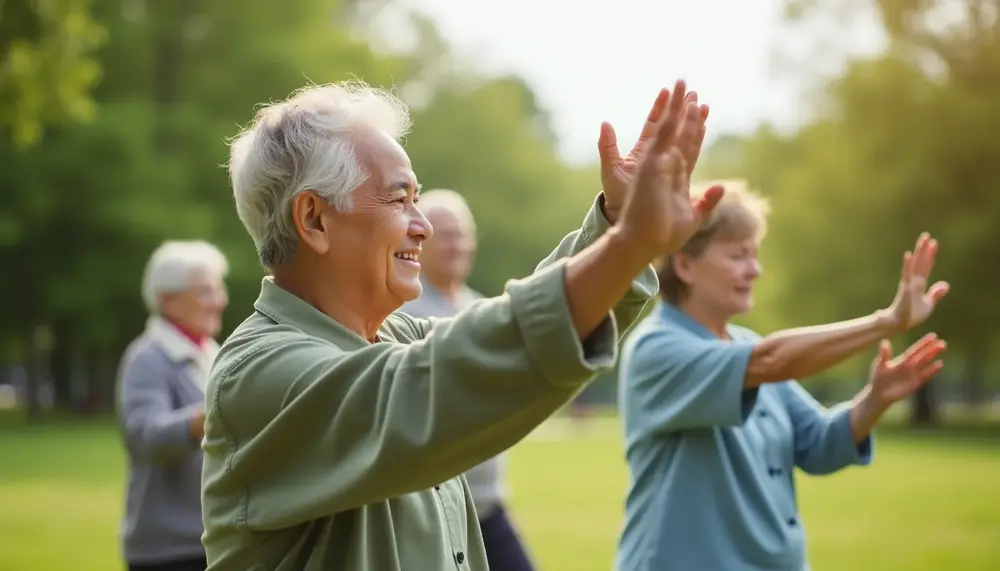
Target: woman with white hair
(161,406)
(338,428)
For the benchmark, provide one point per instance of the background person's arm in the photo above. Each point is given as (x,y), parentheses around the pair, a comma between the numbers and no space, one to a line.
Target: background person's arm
(153,428)
(685,381)
(805,351)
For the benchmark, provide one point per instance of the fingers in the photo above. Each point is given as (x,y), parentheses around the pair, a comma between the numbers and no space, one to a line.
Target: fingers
(607,148)
(703,206)
(693,130)
(930,371)
(907,355)
(919,345)
(694,151)
(666,130)
(655,113)
(674,168)
(928,353)
(921,353)
(689,130)
(924,255)
(907,271)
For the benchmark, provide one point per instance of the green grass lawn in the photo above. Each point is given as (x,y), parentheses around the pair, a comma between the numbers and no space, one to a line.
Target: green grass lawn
(929,502)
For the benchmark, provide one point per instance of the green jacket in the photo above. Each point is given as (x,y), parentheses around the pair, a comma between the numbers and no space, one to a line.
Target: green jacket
(326,452)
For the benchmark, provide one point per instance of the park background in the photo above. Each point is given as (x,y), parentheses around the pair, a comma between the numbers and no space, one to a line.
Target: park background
(113,121)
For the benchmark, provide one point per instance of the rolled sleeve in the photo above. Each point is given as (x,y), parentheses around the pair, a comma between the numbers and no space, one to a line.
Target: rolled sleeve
(823,439)
(595,223)
(644,287)
(844,450)
(553,346)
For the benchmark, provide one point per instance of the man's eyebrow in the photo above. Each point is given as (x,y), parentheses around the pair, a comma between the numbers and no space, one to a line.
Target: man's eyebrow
(406,185)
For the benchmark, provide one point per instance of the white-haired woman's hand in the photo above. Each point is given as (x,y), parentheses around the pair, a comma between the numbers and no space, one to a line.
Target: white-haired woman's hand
(617,171)
(658,214)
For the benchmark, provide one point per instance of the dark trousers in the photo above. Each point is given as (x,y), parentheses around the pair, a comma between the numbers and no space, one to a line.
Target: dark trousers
(504,550)
(193,564)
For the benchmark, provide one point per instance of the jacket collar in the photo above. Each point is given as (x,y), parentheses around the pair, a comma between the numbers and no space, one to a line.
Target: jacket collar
(177,346)
(286,308)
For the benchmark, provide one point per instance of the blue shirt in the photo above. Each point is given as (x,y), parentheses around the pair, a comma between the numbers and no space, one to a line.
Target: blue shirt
(711,463)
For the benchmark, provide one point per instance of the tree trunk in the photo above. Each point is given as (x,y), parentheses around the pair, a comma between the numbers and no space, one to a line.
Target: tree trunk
(924,411)
(974,381)
(37,370)
(101,382)
(61,366)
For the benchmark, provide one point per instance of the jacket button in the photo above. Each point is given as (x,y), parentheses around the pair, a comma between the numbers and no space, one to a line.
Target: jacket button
(460,557)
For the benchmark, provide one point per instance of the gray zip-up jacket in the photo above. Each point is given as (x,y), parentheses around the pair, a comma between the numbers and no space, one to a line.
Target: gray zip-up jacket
(160,386)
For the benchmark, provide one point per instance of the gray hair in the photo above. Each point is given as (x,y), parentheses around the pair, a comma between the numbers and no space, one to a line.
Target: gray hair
(306,142)
(450,201)
(174,264)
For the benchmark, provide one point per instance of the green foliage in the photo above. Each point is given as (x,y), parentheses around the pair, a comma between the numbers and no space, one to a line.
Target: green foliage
(82,208)
(47,67)
(509,173)
(903,142)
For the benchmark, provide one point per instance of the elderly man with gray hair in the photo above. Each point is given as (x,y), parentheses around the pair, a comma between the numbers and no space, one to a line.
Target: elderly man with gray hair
(161,406)
(337,428)
(446,261)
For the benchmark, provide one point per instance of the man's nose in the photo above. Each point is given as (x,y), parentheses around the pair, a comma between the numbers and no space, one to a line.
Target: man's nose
(420,227)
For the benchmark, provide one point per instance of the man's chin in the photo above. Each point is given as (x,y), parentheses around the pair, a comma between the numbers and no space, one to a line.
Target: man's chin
(410,291)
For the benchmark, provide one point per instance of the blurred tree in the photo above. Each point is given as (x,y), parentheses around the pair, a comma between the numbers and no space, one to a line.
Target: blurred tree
(484,142)
(83,209)
(903,142)
(47,66)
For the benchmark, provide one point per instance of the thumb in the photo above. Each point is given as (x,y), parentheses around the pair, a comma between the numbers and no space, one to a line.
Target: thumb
(884,353)
(937,292)
(708,201)
(607,148)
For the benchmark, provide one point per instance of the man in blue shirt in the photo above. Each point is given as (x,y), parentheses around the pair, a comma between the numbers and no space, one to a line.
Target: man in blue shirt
(714,428)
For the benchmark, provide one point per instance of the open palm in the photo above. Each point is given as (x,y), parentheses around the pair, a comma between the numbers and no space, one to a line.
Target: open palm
(914,301)
(893,379)
(617,171)
(658,211)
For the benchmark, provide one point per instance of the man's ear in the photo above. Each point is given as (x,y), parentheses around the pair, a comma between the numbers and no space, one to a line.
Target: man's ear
(311,222)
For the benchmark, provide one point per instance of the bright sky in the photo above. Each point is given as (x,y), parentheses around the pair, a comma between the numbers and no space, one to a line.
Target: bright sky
(596,60)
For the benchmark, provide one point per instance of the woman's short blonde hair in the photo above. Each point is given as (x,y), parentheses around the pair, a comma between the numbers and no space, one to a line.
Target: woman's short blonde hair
(741,214)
